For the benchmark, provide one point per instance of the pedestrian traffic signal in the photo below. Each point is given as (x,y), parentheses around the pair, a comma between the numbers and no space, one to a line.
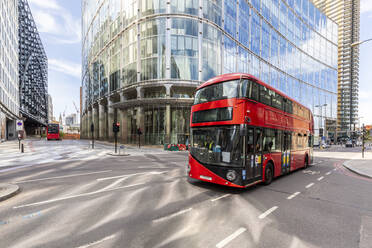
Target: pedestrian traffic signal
(116,127)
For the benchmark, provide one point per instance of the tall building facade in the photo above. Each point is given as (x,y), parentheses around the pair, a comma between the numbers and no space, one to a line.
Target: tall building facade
(33,72)
(142,60)
(347,15)
(50,109)
(9,96)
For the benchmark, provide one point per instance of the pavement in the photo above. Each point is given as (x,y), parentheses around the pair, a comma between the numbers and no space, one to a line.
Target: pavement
(360,166)
(8,190)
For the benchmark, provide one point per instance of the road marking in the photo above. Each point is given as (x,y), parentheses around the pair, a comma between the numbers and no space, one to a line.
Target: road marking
(74,175)
(328,173)
(335,169)
(216,199)
(263,215)
(75,196)
(135,174)
(309,185)
(320,178)
(112,185)
(97,242)
(293,195)
(227,240)
(172,215)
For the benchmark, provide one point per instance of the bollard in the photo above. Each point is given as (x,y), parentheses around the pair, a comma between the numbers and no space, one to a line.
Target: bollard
(22,149)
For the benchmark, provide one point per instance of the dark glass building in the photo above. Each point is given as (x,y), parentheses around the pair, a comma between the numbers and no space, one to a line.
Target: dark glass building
(142,60)
(33,72)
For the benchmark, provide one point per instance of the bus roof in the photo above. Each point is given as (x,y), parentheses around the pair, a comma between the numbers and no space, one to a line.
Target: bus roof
(234,76)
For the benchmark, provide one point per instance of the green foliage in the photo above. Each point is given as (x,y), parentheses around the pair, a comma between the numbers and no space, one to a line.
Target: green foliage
(61,134)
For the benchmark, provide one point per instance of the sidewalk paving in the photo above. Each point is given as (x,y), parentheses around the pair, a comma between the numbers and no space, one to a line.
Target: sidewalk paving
(360,166)
(8,190)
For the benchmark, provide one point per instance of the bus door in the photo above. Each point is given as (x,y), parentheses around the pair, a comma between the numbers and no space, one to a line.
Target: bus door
(254,154)
(286,152)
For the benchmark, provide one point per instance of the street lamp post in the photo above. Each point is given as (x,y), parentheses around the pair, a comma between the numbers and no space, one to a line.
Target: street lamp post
(359,42)
(321,118)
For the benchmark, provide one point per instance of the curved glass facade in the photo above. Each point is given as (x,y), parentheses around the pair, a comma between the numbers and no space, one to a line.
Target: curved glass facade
(146,57)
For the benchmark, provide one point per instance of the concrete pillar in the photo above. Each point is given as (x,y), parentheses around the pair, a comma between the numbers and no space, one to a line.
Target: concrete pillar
(89,123)
(95,121)
(167,123)
(102,124)
(168,88)
(110,117)
(124,126)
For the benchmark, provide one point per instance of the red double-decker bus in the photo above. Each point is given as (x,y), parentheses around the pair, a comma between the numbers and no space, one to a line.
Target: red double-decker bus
(244,131)
(53,131)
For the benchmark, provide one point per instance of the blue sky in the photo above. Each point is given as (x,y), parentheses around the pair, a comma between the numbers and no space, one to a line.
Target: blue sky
(59,24)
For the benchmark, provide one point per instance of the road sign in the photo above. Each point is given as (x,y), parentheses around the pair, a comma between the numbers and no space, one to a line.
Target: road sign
(19,126)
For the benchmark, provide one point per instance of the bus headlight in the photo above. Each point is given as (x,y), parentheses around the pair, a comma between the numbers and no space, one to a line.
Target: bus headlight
(231,175)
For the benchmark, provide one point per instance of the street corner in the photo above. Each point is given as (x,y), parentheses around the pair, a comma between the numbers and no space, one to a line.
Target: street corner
(118,154)
(8,190)
(359,166)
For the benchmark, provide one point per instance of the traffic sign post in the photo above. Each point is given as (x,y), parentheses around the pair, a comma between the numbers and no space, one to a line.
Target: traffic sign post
(116,129)
(92,131)
(139,132)
(19,126)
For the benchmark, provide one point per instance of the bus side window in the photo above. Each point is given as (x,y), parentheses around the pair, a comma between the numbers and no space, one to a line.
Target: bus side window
(265,97)
(255,93)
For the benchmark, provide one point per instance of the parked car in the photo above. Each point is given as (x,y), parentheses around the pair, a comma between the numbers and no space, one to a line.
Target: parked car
(349,143)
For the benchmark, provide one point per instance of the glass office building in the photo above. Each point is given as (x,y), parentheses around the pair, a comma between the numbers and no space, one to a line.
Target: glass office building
(9,96)
(142,60)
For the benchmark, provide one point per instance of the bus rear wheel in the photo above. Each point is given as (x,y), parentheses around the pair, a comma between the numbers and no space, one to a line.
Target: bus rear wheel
(269,174)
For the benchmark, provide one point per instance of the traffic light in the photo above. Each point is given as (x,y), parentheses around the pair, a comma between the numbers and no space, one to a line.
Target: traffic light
(116,127)
(321,132)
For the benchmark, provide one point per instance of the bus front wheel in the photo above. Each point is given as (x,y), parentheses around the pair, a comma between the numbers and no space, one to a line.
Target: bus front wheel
(269,174)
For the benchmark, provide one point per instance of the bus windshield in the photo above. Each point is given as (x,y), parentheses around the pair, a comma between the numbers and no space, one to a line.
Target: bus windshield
(217,145)
(218,91)
(53,129)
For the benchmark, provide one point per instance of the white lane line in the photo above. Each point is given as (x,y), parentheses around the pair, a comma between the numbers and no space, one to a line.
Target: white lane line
(328,173)
(320,178)
(135,174)
(112,185)
(172,215)
(97,242)
(335,169)
(309,185)
(227,240)
(293,195)
(216,199)
(74,175)
(75,196)
(263,215)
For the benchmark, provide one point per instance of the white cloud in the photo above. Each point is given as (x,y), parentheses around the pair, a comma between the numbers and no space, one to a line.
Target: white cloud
(56,21)
(50,4)
(67,67)
(365,6)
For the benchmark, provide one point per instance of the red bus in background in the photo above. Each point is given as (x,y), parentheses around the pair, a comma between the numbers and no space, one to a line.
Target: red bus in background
(244,132)
(53,131)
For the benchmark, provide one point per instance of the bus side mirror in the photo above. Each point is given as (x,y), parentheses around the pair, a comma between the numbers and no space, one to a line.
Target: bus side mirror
(243,130)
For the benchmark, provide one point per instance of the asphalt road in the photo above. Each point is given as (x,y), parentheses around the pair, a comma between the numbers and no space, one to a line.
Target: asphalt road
(90,199)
